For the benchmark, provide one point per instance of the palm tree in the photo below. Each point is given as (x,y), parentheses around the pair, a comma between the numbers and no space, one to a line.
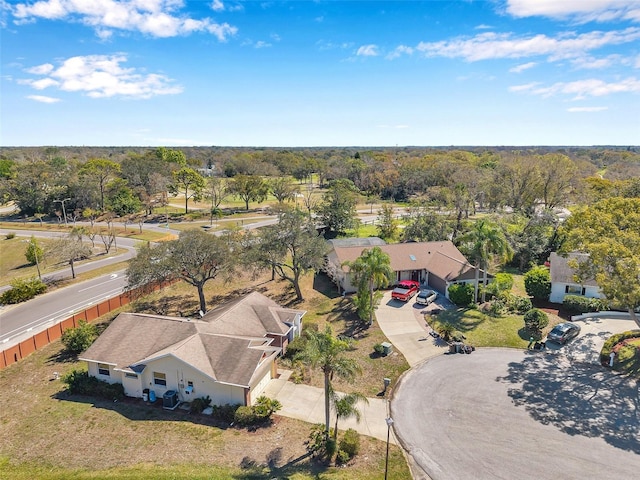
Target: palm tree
(372,269)
(322,350)
(482,242)
(346,406)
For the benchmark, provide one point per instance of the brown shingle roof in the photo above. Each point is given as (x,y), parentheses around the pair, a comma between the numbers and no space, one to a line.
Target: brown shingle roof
(441,258)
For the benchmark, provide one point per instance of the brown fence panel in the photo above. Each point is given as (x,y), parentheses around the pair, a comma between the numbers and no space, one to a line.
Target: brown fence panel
(3,363)
(125,298)
(27,347)
(114,303)
(103,308)
(66,324)
(91,313)
(78,317)
(12,355)
(41,340)
(54,332)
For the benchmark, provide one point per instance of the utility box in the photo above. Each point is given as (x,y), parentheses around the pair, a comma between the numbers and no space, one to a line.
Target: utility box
(387,348)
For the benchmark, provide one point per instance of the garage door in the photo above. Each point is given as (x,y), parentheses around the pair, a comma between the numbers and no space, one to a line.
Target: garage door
(260,386)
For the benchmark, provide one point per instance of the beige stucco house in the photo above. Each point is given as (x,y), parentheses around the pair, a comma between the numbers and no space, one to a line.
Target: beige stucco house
(434,264)
(229,354)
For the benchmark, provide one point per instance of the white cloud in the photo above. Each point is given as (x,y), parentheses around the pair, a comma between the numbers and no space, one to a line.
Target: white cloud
(158,18)
(492,45)
(578,10)
(581,89)
(43,99)
(522,67)
(367,51)
(400,50)
(586,109)
(262,44)
(100,76)
(217,6)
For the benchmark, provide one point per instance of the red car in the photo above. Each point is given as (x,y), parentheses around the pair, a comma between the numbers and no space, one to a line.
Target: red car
(405,290)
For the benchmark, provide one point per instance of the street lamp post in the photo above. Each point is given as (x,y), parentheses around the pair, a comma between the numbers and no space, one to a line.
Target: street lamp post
(389,421)
(64,212)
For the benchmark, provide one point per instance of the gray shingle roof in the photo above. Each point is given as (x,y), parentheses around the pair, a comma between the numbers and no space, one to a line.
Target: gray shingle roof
(561,272)
(227,345)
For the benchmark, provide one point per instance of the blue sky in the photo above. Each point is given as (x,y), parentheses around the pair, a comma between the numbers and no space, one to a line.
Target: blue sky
(319,73)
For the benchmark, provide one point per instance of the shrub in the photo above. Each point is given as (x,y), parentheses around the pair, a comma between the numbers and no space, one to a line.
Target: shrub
(342,457)
(461,293)
(535,320)
(537,283)
(320,444)
(446,331)
(10,235)
(575,304)
(80,383)
(502,283)
(225,413)
(77,340)
(199,404)
(296,346)
(518,304)
(350,443)
(245,416)
(265,407)
(23,290)
(378,349)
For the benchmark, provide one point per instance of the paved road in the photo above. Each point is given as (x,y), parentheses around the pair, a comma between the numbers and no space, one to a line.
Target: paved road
(506,413)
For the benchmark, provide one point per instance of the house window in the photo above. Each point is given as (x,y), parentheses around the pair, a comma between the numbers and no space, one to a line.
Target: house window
(159,379)
(103,369)
(574,290)
(130,375)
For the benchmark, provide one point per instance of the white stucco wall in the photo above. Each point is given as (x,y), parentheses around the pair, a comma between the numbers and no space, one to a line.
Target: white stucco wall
(558,291)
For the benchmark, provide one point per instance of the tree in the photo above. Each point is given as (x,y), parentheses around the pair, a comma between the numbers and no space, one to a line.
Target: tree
(195,257)
(425,226)
(346,406)
(216,191)
(120,199)
(387,224)
(78,339)
(482,242)
(249,188)
(290,248)
(101,171)
(609,232)
(338,207)
(34,254)
(283,189)
(188,182)
(535,320)
(71,248)
(322,350)
(537,282)
(370,271)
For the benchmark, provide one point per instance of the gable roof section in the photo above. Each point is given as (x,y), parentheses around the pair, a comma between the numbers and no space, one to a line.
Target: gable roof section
(252,315)
(442,259)
(561,272)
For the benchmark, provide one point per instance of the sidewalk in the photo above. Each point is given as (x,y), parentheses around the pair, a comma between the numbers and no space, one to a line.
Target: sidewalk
(306,403)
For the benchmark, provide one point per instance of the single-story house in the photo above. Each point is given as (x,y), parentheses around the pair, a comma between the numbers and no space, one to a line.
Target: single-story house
(229,354)
(434,264)
(563,281)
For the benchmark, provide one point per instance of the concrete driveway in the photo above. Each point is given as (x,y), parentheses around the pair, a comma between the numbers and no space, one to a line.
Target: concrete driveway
(404,325)
(594,332)
(506,413)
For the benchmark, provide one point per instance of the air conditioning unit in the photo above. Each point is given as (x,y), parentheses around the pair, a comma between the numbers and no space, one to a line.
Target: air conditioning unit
(170,400)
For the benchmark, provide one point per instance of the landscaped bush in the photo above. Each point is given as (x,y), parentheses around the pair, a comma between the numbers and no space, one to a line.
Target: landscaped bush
(245,416)
(10,236)
(518,304)
(378,349)
(77,340)
(535,320)
(225,413)
(446,331)
(350,443)
(321,445)
(199,404)
(500,285)
(23,290)
(615,339)
(537,283)
(295,346)
(461,294)
(80,383)
(576,304)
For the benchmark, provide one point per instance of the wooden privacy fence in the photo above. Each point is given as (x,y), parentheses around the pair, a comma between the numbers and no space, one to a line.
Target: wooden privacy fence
(16,353)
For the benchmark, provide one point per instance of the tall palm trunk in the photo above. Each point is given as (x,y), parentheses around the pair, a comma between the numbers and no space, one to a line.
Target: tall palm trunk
(327,391)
